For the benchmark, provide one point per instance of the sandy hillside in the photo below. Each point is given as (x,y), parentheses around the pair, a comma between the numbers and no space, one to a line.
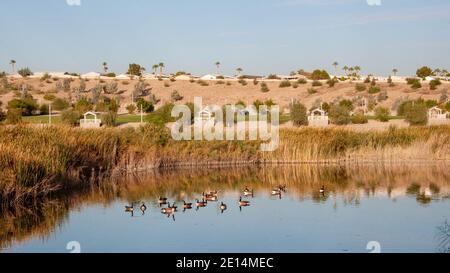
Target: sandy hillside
(232,92)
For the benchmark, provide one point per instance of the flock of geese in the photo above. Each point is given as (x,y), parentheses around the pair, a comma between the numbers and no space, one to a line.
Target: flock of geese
(169,209)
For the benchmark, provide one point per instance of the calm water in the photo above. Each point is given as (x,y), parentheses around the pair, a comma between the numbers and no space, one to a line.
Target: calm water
(405,209)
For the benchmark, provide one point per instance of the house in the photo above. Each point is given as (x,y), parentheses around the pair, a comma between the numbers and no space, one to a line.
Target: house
(123,77)
(90,120)
(204,115)
(208,77)
(436,113)
(183,77)
(318,117)
(91,75)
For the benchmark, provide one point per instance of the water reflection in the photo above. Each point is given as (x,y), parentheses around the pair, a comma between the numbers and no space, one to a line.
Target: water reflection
(159,192)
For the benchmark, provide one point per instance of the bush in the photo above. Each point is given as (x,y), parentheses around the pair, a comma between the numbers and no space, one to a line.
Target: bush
(367,80)
(24,72)
(83,105)
(434,84)
(299,114)
(410,81)
(134,69)
(109,119)
(264,87)
(359,118)
(131,108)
(49,97)
(284,84)
(14,116)
(156,133)
(320,75)
(424,72)
(110,75)
(316,83)
(176,96)
(220,82)
(146,106)
(416,114)
(273,77)
(166,84)
(332,82)
(59,104)
(45,77)
(243,82)
(202,83)
(43,109)
(382,114)
(374,90)
(302,81)
(347,103)
(70,117)
(382,96)
(162,115)
(255,81)
(312,91)
(26,105)
(111,88)
(416,85)
(339,115)
(360,87)
(295,85)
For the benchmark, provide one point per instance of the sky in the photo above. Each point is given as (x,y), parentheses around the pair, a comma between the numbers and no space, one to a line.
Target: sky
(260,36)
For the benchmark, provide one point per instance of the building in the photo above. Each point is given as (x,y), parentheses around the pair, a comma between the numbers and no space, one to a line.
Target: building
(91,75)
(318,117)
(90,120)
(208,77)
(436,113)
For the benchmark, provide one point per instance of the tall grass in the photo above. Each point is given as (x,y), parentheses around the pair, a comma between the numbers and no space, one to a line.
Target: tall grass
(38,161)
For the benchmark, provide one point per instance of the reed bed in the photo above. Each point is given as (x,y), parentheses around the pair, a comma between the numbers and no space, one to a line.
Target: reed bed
(36,162)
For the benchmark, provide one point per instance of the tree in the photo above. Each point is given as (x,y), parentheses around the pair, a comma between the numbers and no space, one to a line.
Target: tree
(105,67)
(146,106)
(70,117)
(134,69)
(25,72)
(218,67)
(335,64)
(357,69)
(320,75)
(424,72)
(13,66)
(345,68)
(382,114)
(155,68)
(239,71)
(416,113)
(395,71)
(131,108)
(299,114)
(161,67)
(339,115)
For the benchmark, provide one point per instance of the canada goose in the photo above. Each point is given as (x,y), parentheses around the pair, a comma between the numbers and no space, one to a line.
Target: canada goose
(282,188)
(129,208)
(162,200)
(222,207)
(212,198)
(214,193)
(169,210)
(243,203)
(248,192)
(143,208)
(276,192)
(201,204)
(187,205)
(322,189)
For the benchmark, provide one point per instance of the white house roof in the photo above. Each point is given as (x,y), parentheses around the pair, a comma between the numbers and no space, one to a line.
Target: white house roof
(91,75)
(183,77)
(123,77)
(318,110)
(208,77)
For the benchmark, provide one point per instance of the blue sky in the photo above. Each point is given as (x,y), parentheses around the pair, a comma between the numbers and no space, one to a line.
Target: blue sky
(261,36)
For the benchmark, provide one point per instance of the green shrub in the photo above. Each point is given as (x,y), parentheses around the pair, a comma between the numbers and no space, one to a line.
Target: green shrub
(424,72)
(134,69)
(367,80)
(24,72)
(146,106)
(339,115)
(284,84)
(83,105)
(43,109)
(109,119)
(316,83)
(302,81)
(26,105)
(320,75)
(255,81)
(220,82)
(382,114)
(347,103)
(202,83)
(264,87)
(295,85)
(243,82)
(416,114)
(14,116)
(382,96)
(162,115)
(359,118)
(70,117)
(49,97)
(374,90)
(360,87)
(298,114)
(59,104)
(312,91)
(416,85)
(434,84)
(110,75)
(131,108)
(332,82)
(273,77)
(45,77)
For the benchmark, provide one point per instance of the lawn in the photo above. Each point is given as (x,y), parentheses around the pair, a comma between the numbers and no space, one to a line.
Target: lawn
(122,119)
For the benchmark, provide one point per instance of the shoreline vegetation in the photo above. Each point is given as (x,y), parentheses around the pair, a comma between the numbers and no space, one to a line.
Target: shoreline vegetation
(39,162)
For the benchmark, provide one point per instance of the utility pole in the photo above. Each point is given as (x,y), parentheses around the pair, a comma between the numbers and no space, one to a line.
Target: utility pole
(50,114)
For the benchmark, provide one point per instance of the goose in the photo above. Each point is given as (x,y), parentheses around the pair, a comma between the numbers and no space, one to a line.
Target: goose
(214,193)
(282,188)
(162,200)
(276,192)
(222,207)
(169,210)
(143,208)
(129,208)
(322,189)
(248,192)
(243,203)
(212,198)
(200,204)
(187,205)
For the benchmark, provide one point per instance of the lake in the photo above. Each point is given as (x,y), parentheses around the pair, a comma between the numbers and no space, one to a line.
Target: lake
(361,209)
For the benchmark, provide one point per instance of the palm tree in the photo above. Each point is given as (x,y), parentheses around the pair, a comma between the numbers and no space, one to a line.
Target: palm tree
(155,68)
(345,68)
(13,65)
(161,67)
(395,70)
(239,71)
(105,67)
(357,69)
(335,64)
(218,67)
